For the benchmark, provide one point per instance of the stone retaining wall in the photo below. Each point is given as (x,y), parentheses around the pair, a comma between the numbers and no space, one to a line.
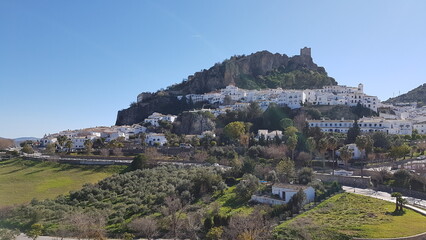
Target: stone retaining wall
(404,191)
(352,181)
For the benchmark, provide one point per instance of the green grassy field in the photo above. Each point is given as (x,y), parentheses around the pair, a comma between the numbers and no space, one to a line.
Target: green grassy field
(349,215)
(230,204)
(23,180)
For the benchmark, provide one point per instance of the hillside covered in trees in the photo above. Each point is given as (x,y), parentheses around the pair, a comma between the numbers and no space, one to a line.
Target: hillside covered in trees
(416,95)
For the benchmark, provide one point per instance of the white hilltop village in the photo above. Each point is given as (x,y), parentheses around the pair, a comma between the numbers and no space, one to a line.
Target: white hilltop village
(407,117)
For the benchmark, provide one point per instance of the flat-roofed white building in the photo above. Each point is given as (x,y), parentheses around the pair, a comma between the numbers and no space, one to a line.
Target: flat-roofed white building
(339,126)
(155,139)
(269,135)
(156,117)
(48,140)
(420,127)
(378,124)
(282,193)
(234,92)
(366,125)
(291,98)
(78,142)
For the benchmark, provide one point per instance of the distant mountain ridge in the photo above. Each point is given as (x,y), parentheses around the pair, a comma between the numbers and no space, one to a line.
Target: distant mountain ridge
(416,95)
(23,139)
(255,71)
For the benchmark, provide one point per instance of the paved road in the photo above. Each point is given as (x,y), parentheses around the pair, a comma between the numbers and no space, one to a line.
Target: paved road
(416,204)
(24,237)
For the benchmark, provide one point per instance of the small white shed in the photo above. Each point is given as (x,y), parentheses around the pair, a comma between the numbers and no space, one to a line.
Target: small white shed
(286,191)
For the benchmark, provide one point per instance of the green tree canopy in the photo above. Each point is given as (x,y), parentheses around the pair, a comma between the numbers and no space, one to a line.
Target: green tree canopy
(234,130)
(286,122)
(399,151)
(272,116)
(286,170)
(247,186)
(290,131)
(311,145)
(27,148)
(139,162)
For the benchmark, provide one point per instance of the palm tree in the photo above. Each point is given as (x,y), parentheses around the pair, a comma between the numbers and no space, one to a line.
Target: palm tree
(332,145)
(311,144)
(68,145)
(61,139)
(363,142)
(322,148)
(345,154)
(399,201)
(88,144)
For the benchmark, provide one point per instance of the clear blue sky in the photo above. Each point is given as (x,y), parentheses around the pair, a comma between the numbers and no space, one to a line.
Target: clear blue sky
(74,64)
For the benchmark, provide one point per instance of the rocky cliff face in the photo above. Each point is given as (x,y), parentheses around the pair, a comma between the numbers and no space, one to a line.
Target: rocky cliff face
(254,66)
(194,123)
(139,111)
(258,70)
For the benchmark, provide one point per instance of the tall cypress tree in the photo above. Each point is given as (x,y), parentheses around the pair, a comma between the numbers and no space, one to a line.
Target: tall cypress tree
(353,132)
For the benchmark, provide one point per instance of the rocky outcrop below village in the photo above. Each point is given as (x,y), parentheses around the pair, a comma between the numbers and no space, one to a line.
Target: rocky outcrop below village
(137,112)
(195,123)
(255,71)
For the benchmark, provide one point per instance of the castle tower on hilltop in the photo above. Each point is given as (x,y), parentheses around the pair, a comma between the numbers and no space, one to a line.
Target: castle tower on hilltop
(305,52)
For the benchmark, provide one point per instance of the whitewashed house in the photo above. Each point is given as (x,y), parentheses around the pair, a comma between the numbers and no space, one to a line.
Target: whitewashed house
(420,127)
(156,117)
(78,143)
(138,129)
(291,98)
(340,126)
(155,138)
(234,92)
(47,140)
(269,135)
(113,135)
(284,192)
(356,153)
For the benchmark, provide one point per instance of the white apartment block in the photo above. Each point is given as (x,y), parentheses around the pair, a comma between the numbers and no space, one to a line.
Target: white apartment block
(390,126)
(343,89)
(339,126)
(366,125)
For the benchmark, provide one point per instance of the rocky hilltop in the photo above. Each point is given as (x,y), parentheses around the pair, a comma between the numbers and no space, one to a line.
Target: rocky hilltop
(416,95)
(255,71)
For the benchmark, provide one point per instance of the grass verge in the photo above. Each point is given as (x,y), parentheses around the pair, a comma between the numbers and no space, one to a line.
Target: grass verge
(347,215)
(22,180)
